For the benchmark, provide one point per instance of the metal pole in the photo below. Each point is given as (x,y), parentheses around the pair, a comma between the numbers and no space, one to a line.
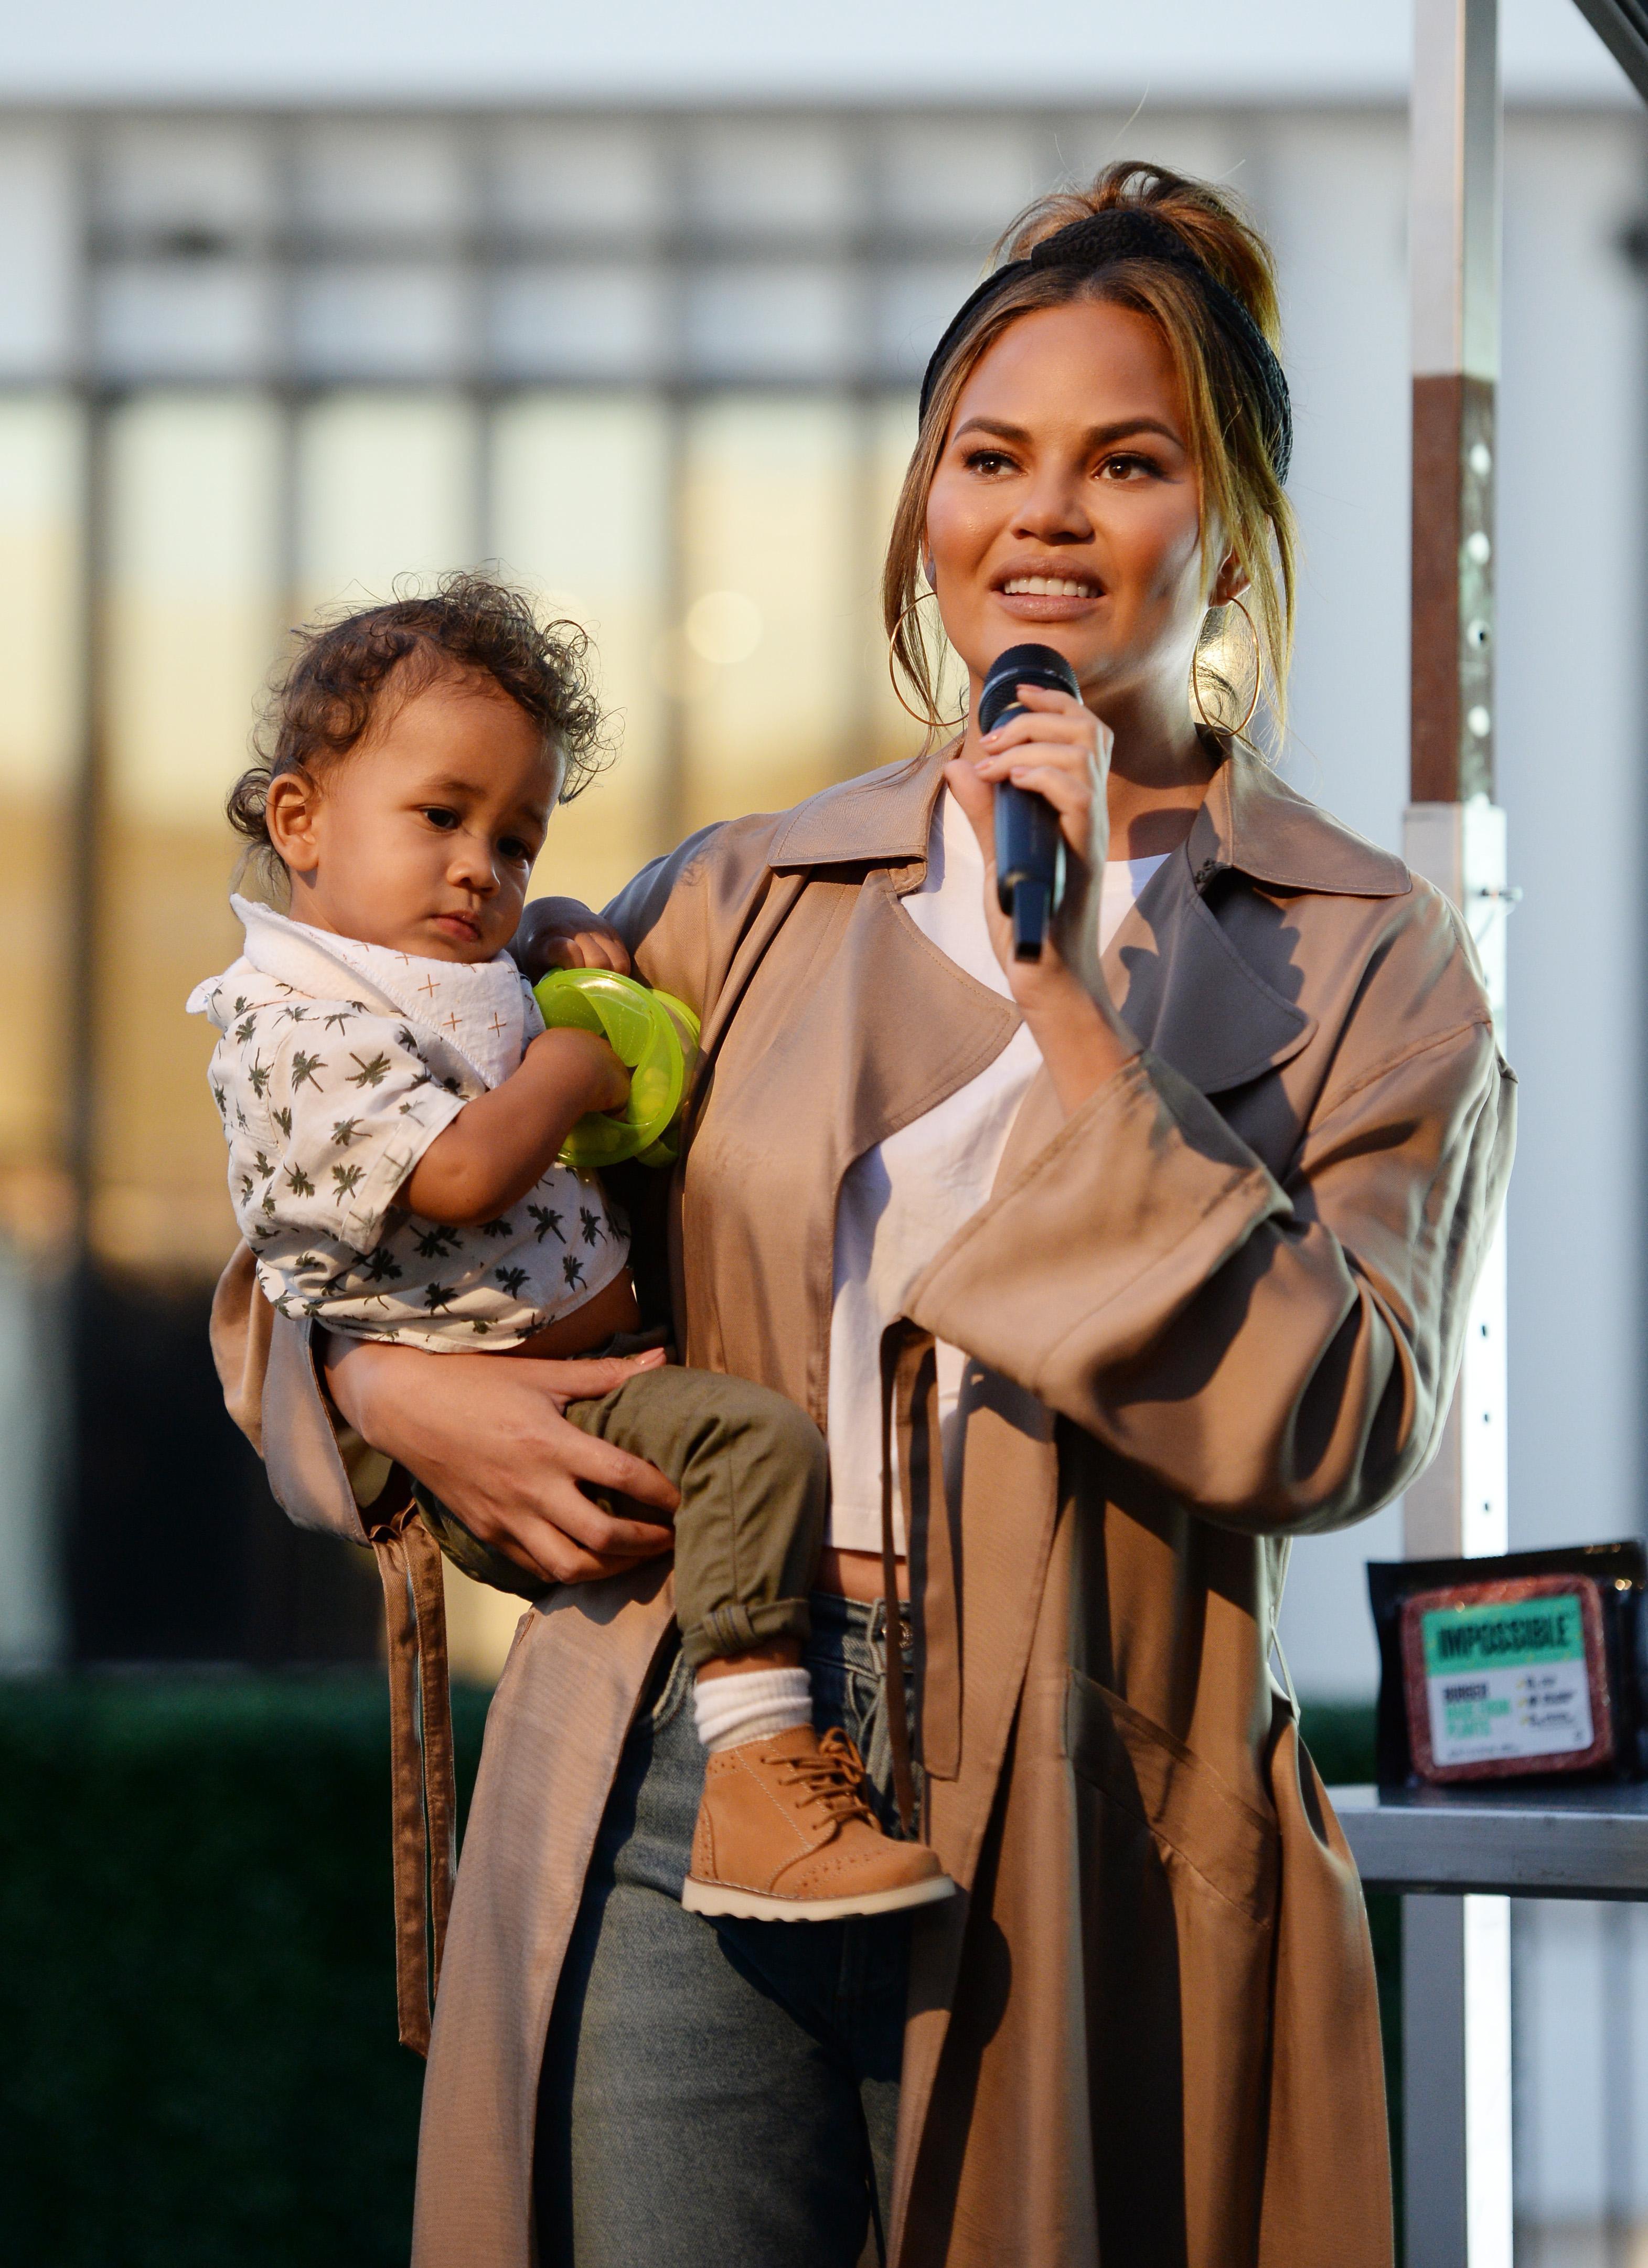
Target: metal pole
(1456,1952)
(672,797)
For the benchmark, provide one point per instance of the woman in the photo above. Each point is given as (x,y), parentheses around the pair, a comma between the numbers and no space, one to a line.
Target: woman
(1171,1235)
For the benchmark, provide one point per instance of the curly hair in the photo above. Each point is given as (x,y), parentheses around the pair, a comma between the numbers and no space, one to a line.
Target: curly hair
(1242,498)
(323,702)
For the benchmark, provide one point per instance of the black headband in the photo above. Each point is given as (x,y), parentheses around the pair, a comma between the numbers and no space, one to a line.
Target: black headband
(1126,232)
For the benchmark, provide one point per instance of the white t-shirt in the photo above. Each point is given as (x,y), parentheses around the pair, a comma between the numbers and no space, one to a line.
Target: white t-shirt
(904,1200)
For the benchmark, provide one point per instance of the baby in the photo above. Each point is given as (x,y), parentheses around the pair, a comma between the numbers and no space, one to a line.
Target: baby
(394,1108)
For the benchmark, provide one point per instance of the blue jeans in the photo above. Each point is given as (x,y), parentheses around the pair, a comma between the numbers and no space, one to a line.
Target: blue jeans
(721,2094)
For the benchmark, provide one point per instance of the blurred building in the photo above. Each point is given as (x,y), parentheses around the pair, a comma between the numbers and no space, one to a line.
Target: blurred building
(659,368)
(659,365)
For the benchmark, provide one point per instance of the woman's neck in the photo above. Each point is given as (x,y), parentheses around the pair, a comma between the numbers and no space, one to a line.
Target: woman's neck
(1161,771)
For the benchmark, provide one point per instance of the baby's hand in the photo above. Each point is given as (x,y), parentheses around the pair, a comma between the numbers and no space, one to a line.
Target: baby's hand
(583,1071)
(562,933)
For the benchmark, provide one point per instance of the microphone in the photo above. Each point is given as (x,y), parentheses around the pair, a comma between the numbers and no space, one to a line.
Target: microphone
(1029,845)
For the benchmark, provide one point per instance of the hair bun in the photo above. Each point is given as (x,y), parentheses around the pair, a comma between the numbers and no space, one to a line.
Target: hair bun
(1118,232)
(1207,223)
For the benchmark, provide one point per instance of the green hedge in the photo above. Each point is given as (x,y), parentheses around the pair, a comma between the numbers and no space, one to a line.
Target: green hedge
(198,2063)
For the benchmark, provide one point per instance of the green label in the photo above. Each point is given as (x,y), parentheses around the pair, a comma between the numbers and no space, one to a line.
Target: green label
(1519,1636)
(1506,1681)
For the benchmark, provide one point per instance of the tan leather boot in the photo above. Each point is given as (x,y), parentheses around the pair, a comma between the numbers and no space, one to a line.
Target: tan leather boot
(784,1834)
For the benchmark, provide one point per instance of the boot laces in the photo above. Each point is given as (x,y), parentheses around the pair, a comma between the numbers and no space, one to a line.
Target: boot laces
(833,1774)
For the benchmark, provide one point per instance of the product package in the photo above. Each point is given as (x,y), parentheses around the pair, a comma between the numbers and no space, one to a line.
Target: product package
(1521,1668)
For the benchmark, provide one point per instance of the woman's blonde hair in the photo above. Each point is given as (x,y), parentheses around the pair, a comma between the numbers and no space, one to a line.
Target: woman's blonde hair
(1242,499)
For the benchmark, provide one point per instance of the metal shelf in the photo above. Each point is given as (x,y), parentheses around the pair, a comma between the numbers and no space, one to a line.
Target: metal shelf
(1589,1841)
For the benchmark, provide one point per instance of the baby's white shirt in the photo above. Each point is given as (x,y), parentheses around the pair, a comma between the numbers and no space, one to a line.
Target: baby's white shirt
(339,1063)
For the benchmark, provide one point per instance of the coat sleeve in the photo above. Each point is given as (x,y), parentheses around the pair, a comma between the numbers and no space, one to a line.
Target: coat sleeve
(1279,1355)
(320,1472)
(684,916)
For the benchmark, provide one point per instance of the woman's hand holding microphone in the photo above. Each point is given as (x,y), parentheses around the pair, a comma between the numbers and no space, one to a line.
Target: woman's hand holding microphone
(1055,748)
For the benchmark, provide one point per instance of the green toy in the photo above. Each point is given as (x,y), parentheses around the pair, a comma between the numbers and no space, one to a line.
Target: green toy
(652,1035)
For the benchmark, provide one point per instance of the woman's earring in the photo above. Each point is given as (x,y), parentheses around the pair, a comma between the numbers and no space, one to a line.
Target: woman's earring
(930,724)
(1258,683)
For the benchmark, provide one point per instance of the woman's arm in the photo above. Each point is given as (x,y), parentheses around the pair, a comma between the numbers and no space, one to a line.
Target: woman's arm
(1278,1355)
(487,1436)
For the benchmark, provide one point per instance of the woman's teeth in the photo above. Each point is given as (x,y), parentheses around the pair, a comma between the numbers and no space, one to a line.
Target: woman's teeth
(1047,586)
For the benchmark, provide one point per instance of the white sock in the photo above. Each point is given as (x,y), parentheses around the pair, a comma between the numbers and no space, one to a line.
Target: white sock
(752,1704)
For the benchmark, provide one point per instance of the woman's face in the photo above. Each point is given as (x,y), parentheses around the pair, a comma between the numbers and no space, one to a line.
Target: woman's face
(1066,509)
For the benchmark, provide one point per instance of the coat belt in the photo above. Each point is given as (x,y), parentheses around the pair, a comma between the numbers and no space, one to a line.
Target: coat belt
(425,1803)
(910,1411)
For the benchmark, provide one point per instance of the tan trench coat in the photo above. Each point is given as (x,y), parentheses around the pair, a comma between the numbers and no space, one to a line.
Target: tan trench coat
(1219,1307)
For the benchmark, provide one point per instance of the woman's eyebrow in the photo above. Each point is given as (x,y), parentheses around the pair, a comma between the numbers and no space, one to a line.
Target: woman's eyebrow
(1097,436)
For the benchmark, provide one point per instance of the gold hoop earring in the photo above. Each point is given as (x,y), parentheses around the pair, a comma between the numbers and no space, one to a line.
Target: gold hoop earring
(929,724)
(1195,689)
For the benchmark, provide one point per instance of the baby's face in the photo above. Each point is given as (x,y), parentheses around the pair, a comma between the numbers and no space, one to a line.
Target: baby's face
(423,837)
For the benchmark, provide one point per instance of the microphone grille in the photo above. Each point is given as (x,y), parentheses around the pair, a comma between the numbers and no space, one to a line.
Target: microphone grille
(1022,665)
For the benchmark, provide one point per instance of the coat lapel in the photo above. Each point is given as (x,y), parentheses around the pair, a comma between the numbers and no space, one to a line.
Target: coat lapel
(819,1081)
(943,1027)
(1203,990)
(876,818)
(1211,996)
(939,1027)
(1187,994)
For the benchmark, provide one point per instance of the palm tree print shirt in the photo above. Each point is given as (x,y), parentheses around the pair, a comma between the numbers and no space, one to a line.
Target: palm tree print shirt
(339,1063)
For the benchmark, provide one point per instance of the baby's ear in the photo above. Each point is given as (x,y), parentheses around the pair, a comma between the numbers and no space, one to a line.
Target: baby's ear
(289,811)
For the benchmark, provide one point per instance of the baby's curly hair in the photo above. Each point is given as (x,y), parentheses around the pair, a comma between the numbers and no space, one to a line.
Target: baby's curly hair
(322,703)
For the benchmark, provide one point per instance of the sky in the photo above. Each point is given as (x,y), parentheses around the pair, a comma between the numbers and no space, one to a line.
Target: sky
(663,51)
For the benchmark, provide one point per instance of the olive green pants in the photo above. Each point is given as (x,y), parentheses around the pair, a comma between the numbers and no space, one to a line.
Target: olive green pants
(751,1469)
